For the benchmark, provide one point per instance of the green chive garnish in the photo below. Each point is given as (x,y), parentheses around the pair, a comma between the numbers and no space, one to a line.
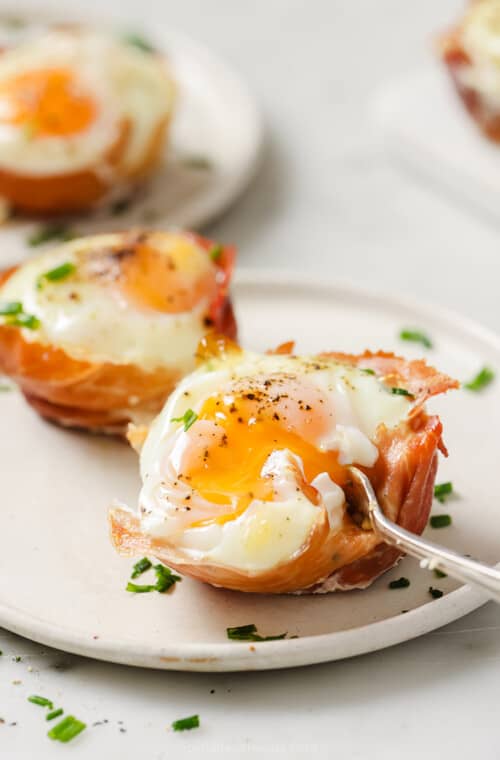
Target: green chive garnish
(50,232)
(215,252)
(140,567)
(42,701)
(399,583)
(188,418)
(24,320)
(402,392)
(249,633)
(66,729)
(442,490)
(416,336)
(439,573)
(54,714)
(10,307)
(56,274)
(440,521)
(201,163)
(134,588)
(136,40)
(482,379)
(435,593)
(185,724)
(165,579)
(368,371)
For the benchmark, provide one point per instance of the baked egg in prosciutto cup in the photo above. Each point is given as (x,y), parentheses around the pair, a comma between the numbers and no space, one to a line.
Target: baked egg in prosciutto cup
(82,115)
(245,470)
(471,52)
(98,331)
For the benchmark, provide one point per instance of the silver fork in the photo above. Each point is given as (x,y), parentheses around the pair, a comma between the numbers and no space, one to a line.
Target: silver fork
(433,555)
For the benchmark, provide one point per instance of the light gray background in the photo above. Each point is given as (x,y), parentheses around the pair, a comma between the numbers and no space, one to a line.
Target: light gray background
(326,201)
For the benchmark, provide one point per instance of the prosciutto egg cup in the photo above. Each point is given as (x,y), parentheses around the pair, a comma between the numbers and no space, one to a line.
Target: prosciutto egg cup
(98,331)
(471,52)
(82,115)
(245,470)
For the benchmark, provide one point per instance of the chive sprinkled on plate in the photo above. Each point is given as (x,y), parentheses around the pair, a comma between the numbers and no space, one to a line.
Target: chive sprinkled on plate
(215,252)
(140,567)
(186,724)
(481,380)
(249,633)
(54,714)
(439,573)
(135,588)
(42,701)
(435,593)
(416,336)
(50,232)
(55,275)
(440,521)
(165,579)
(9,308)
(66,729)
(402,392)
(368,371)
(201,163)
(138,41)
(400,583)
(442,490)
(188,418)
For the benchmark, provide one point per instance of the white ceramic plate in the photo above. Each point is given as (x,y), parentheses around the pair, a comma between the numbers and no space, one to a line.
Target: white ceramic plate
(425,125)
(62,584)
(216,120)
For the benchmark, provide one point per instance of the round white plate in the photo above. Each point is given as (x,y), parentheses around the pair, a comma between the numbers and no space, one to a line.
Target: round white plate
(211,156)
(62,584)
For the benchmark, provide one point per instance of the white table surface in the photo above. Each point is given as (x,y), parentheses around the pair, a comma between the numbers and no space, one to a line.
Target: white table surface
(327,202)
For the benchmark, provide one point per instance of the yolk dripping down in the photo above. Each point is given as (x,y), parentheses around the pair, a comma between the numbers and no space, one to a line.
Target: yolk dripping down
(48,102)
(232,466)
(169,282)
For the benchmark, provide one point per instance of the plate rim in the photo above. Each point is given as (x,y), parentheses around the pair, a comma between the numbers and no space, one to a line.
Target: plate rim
(308,650)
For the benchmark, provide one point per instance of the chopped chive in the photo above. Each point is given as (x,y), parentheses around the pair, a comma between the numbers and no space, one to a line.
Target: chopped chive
(249,633)
(440,521)
(42,701)
(24,320)
(54,714)
(402,392)
(56,274)
(5,388)
(165,578)
(368,371)
(416,336)
(140,567)
(439,573)
(442,490)
(202,163)
(18,658)
(481,380)
(215,252)
(66,729)
(134,588)
(435,593)
(50,232)
(188,418)
(399,583)
(136,40)
(10,307)
(185,724)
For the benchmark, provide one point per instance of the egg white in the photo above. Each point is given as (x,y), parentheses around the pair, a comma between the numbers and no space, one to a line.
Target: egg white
(99,325)
(481,42)
(267,533)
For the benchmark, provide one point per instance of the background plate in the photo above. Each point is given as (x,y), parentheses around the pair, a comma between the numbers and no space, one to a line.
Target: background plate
(216,121)
(425,125)
(62,584)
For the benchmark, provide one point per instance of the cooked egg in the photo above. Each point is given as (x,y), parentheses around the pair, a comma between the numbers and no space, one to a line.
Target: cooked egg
(142,299)
(480,38)
(73,102)
(250,452)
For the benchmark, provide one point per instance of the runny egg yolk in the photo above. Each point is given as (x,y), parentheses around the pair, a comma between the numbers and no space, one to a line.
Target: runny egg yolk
(47,102)
(170,281)
(231,468)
